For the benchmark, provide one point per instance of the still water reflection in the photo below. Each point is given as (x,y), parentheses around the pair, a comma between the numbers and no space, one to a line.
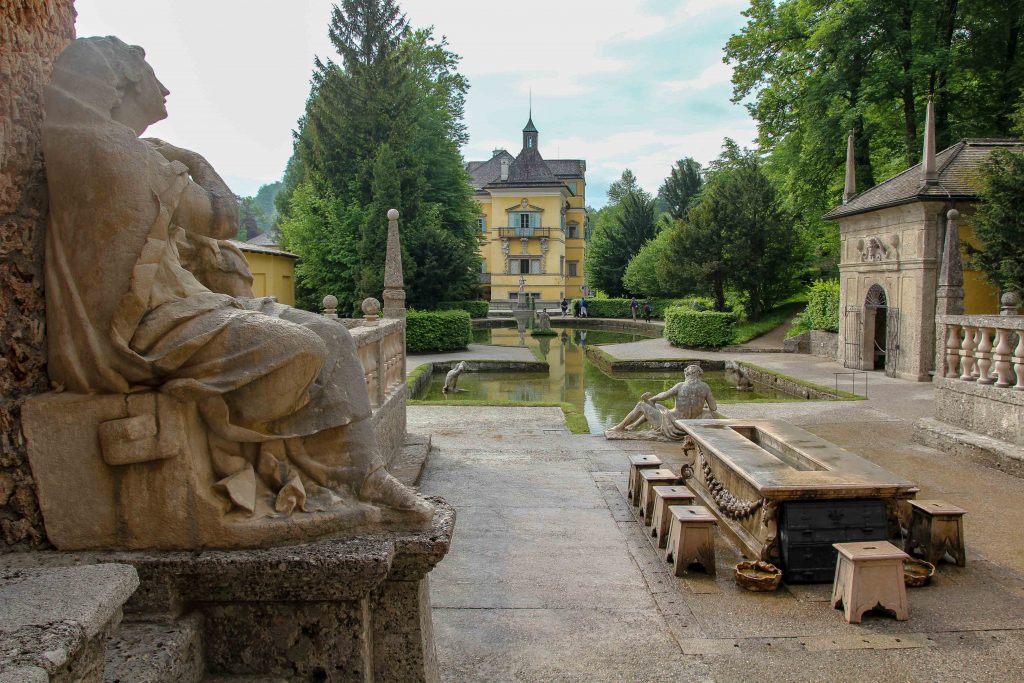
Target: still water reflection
(572,378)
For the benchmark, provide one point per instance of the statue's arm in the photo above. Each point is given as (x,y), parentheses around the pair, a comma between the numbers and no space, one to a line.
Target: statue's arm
(207,206)
(669,393)
(710,398)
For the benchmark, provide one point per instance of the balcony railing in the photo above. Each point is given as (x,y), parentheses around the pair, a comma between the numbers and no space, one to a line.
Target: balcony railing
(987,349)
(526,232)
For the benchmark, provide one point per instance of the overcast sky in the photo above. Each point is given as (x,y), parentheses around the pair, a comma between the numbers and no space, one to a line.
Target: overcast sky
(620,83)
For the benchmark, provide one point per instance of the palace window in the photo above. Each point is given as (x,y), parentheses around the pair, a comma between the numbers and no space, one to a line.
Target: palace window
(524,219)
(573,265)
(525,266)
(482,223)
(572,230)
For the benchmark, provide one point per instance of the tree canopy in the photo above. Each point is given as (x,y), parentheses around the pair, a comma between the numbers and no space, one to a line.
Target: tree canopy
(737,235)
(681,186)
(619,235)
(999,222)
(382,129)
(812,70)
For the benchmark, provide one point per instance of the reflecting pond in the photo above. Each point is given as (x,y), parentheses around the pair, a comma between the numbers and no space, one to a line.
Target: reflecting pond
(572,378)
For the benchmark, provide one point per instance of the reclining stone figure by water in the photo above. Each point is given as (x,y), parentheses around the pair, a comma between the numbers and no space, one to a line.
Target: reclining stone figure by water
(253,413)
(691,396)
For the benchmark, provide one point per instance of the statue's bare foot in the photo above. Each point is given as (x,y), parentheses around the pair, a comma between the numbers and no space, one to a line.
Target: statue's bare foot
(383,489)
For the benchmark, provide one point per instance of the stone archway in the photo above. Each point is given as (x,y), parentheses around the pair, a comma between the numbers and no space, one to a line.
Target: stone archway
(874,349)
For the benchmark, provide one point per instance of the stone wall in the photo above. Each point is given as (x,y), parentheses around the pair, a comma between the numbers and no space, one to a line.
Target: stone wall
(32,34)
(985,409)
(381,350)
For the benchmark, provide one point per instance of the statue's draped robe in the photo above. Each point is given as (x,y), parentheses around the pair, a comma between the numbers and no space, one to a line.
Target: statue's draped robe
(124,315)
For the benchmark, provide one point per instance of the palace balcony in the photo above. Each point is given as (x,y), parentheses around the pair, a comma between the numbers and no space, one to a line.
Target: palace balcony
(526,232)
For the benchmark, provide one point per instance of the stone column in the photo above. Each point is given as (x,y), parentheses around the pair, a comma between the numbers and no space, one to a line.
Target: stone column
(32,34)
(950,295)
(394,282)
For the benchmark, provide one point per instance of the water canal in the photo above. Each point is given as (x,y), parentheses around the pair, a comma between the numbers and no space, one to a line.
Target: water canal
(602,397)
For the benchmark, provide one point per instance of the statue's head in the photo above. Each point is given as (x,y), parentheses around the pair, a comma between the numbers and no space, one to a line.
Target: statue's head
(113,78)
(693,372)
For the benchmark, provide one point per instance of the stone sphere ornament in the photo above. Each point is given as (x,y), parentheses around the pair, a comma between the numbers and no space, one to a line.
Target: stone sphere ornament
(1009,303)
(371,308)
(392,214)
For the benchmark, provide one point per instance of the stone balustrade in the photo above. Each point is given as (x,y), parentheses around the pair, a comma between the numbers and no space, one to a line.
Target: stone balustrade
(986,349)
(381,348)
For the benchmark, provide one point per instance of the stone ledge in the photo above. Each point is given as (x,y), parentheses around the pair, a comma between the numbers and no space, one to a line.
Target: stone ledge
(982,449)
(329,569)
(54,621)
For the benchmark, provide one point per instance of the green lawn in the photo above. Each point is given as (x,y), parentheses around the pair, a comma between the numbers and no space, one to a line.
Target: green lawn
(751,329)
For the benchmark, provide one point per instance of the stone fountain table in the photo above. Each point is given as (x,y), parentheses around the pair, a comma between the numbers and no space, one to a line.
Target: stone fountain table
(746,470)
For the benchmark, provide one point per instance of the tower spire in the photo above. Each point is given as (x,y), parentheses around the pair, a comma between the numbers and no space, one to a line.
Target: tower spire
(931,174)
(850,186)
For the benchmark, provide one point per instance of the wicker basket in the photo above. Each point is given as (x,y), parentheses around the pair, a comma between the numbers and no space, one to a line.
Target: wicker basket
(917,572)
(758,576)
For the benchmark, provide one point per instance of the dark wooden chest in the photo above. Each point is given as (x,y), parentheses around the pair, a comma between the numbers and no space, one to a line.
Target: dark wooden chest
(807,530)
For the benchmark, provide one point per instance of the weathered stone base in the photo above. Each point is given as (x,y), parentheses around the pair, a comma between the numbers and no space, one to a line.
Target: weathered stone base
(982,449)
(55,622)
(347,609)
(643,435)
(89,502)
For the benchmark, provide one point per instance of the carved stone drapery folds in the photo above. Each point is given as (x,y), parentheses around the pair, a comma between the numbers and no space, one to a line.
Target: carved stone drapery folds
(504,254)
(543,255)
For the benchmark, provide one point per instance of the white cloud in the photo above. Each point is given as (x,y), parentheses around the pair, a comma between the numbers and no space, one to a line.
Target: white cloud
(715,74)
(648,153)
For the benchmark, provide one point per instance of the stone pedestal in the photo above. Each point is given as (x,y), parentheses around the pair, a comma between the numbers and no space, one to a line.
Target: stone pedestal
(344,609)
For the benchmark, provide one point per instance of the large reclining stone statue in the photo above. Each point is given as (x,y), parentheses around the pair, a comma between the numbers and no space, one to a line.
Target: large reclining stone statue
(187,413)
(691,396)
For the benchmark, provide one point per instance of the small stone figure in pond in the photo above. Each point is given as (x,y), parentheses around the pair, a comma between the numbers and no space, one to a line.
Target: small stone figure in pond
(737,376)
(543,320)
(451,380)
(690,395)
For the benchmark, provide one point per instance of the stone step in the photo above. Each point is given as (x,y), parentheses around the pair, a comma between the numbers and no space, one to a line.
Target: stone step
(155,652)
(244,679)
(409,464)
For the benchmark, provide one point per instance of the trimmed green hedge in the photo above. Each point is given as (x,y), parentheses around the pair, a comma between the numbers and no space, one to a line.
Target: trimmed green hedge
(822,312)
(428,331)
(619,308)
(476,309)
(702,329)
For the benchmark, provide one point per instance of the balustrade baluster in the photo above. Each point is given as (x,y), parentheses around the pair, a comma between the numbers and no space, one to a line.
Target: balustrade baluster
(1018,361)
(952,351)
(1002,356)
(984,354)
(967,359)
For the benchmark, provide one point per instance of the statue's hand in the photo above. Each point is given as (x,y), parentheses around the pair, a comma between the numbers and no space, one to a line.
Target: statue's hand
(174,153)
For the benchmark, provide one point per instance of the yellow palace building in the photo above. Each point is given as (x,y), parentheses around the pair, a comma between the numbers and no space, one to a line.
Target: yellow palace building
(533,221)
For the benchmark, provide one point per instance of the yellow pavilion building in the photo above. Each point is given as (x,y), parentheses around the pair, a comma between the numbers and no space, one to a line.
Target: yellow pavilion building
(533,219)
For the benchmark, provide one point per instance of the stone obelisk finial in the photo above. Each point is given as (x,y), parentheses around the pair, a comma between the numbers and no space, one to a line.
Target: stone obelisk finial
(850,186)
(394,283)
(949,299)
(930,171)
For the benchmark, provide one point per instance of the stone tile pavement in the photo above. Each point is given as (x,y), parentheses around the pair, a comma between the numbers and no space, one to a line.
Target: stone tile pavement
(551,579)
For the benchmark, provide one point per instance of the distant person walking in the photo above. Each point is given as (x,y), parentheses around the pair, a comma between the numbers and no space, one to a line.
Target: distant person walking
(634,306)
(648,310)
(565,306)
(583,307)
(576,308)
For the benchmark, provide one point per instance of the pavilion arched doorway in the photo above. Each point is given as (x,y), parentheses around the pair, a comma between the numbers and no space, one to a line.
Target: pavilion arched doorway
(880,334)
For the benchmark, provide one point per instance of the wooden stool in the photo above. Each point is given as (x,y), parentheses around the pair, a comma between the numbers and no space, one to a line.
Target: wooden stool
(663,497)
(637,463)
(937,528)
(648,480)
(691,538)
(869,574)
